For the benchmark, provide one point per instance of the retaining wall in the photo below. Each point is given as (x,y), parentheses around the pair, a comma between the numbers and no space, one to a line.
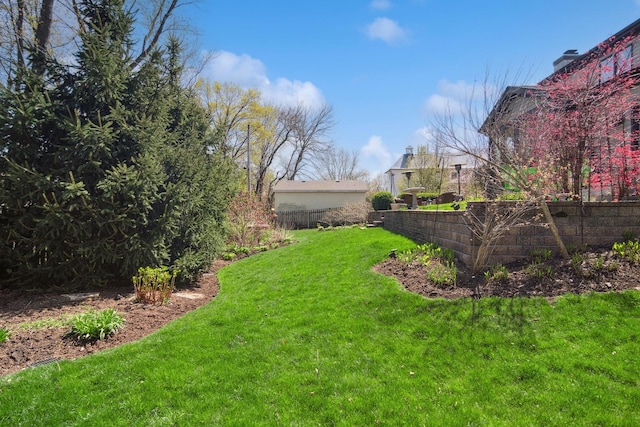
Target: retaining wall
(596,224)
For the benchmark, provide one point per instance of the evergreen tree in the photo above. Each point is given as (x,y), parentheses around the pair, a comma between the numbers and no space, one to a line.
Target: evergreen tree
(105,169)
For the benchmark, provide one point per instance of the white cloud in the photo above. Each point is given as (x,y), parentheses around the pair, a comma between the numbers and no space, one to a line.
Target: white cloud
(378,155)
(251,73)
(383,4)
(441,104)
(242,70)
(386,30)
(424,136)
(454,97)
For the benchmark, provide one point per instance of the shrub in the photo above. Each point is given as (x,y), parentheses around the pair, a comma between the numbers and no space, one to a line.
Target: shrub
(96,325)
(350,214)
(154,285)
(4,334)
(382,200)
(249,220)
(427,195)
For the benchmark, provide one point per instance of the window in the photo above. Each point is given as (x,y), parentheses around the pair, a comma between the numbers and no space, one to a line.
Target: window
(634,129)
(615,64)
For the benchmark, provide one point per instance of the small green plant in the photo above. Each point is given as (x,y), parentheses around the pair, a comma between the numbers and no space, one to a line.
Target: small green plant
(629,249)
(498,273)
(96,325)
(598,264)
(576,262)
(443,273)
(541,255)
(539,270)
(154,285)
(4,334)
(427,252)
(229,256)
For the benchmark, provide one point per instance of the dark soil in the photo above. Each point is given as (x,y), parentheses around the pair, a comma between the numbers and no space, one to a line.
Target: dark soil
(599,272)
(33,346)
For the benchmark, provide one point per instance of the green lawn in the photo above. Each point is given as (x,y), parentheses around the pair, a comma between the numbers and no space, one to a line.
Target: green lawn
(308,335)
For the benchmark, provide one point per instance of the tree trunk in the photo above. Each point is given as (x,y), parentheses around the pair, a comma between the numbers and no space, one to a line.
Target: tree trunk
(554,229)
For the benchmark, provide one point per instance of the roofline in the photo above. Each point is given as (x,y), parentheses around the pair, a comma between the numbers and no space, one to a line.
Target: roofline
(509,94)
(630,29)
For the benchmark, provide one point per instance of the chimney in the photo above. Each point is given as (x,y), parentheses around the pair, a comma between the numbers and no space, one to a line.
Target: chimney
(566,58)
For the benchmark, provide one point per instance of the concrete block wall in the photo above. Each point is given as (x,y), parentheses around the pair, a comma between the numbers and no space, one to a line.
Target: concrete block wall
(596,224)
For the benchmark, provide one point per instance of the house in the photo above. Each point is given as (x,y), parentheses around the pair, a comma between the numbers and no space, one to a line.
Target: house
(313,195)
(398,172)
(406,171)
(603,69)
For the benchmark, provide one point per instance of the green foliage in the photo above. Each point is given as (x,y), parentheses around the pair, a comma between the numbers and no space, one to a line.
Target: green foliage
(629,249)
(154,285)
(96,325)
(498,273)
(442,273)
(539,270)
(440,261)
(426,253)
(55,322)
(229,256)
(5,333)
(427,195)
(456,206)
(628,235)
(106,168)
(541,255)
(382,200)
(512,195)
(577,259)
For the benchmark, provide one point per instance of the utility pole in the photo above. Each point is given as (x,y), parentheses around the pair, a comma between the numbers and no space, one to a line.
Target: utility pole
(249,158)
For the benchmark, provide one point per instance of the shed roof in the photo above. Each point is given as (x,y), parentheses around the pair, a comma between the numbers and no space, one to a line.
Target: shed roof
(321,187)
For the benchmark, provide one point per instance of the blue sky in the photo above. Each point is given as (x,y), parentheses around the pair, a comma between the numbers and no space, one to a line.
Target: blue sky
(387,66)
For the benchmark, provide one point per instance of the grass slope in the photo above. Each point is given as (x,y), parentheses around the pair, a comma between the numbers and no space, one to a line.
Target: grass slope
(309,335)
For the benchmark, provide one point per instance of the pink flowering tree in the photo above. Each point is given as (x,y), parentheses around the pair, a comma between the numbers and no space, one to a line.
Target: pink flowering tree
(583,131)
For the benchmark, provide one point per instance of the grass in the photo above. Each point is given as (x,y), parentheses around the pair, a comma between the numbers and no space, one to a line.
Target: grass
(309,335)
(462,205)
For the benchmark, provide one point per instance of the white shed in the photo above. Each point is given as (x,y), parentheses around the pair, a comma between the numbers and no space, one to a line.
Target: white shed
(311,195)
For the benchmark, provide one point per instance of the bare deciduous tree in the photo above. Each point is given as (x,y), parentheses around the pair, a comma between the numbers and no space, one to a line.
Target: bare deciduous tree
(47,27)
(486,130)
(338,164)
(309,128)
